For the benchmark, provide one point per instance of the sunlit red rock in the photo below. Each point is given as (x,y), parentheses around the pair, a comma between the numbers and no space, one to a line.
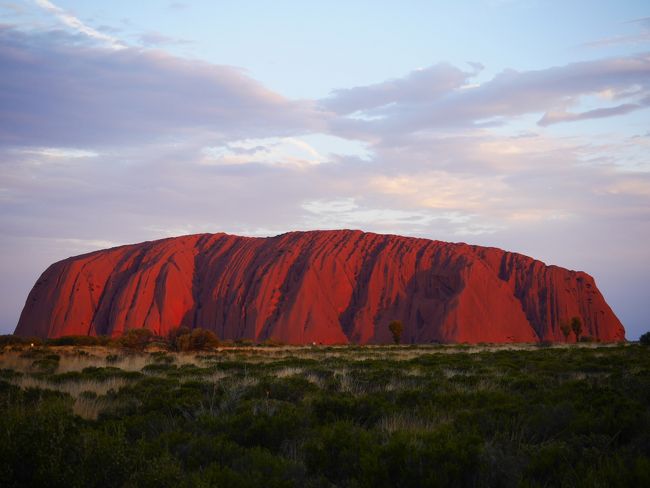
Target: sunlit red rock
(321,286)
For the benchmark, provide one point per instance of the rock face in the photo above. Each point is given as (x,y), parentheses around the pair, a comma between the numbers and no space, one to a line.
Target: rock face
(320,286)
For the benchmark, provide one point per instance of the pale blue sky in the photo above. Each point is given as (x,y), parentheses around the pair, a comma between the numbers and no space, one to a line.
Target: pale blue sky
(305,49)
(125,121)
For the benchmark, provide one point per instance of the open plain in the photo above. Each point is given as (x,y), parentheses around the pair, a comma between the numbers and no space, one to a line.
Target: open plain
(484,415)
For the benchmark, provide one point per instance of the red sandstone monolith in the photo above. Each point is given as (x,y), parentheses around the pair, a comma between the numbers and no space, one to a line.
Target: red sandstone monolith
(320,286)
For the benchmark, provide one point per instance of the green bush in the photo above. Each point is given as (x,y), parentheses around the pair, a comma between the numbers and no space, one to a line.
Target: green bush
(40,445)
(396,328)
(447,457)
(342,452)
(353,417)
(198,339)
(644,340)
(11,340)
(78,340)
(46,365)
(576,327)
(136,339)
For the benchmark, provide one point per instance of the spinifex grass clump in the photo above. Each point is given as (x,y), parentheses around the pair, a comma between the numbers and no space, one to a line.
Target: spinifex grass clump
(330,416)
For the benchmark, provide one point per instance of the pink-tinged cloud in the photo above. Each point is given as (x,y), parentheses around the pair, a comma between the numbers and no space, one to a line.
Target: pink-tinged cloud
(419,86)
(599,113)
(57,89)
(642,37)
(451,101)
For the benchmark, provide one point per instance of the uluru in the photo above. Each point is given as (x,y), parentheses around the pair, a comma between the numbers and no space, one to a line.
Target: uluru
(327,287)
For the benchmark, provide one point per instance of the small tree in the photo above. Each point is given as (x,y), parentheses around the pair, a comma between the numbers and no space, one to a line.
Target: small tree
(176,338)
(565,327)
(576,327)
(201,339)
(184,339)
(396,328)
(645,339)
(136,338)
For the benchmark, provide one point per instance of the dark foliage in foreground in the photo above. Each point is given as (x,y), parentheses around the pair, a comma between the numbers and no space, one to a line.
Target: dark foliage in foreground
(356,417)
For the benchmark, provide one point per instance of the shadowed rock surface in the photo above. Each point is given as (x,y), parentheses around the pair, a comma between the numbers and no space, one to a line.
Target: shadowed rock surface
(320,286)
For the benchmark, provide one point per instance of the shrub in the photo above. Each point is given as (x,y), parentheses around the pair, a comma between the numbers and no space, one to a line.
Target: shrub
(446,457)
(576,327)
(201,339)
(39,446)
(74,340)
(645,339)
(565,327)
(11,339)
(157,471)
(396,328)
(136,338)
(15,340)
(354,417)
(184,339)
(48,364)
(588,339)
(341,452)
(174,335)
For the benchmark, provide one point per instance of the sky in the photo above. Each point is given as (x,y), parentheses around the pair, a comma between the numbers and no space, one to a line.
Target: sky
(519,124)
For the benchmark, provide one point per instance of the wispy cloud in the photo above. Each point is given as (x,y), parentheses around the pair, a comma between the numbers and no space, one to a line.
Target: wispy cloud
(642,37)
(77,25)
(599,113)
(178,6)
(403,105)
(155,39)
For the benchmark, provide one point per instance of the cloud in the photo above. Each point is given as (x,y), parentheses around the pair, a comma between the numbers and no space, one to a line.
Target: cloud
(599,113)
(14,7)
(178,6)
(439,97)
(56,90)
(640,38)
(346,212)
(419,86)
(643,22)
(155,39)
(76,24)
(283,151)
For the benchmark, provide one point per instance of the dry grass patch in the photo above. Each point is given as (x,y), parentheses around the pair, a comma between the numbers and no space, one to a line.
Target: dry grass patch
(410,422)
(90,408)
(73,388)
(287,372)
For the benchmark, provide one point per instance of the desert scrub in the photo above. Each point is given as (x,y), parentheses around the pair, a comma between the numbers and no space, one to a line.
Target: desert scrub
(327,416)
